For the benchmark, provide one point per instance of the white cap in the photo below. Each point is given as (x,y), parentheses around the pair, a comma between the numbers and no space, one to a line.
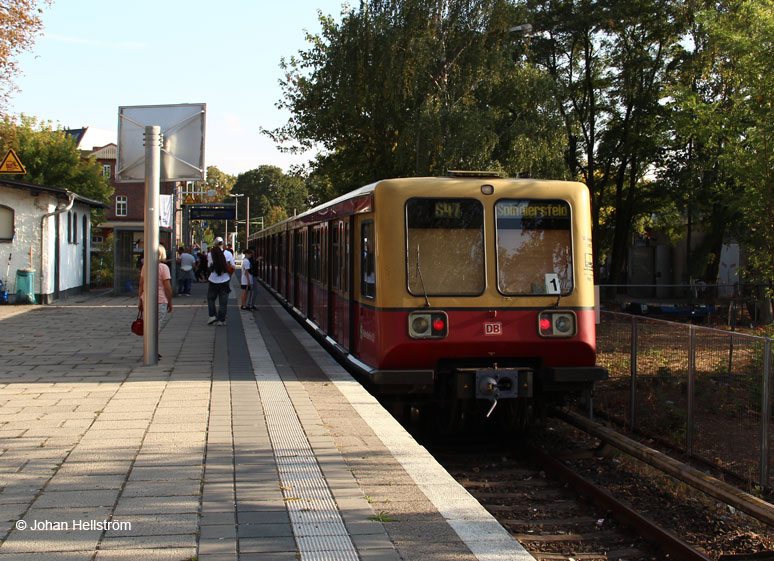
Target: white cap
(218,241)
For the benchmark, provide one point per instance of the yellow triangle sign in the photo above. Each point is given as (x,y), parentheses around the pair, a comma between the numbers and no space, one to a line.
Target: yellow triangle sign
(11,164)
(189,200)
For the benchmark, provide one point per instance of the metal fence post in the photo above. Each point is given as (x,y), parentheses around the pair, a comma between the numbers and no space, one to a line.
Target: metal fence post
(765,414)
(691,392)
(633,389)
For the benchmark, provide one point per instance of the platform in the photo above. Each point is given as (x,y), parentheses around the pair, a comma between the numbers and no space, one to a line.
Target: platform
(246,442)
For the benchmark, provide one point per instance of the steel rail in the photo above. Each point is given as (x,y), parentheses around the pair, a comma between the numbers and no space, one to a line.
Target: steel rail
(750,504)
(668,541)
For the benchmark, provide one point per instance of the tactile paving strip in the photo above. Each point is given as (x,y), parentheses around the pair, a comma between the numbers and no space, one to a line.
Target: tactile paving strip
(317,524)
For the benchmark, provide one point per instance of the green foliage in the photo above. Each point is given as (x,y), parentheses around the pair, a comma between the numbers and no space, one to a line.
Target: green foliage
(273,194)
(417,88)
(609,62)
(744,38)
(51,158)
(662,107)
(220,182)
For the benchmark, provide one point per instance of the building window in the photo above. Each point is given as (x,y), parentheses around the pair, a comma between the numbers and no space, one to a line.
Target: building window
(106,170)
(97,239)
(121,205)
(6,223)
(75,227)
(70,227)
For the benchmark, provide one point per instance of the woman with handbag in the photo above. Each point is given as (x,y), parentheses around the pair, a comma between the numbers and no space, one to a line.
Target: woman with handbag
(222,265)
(165,287)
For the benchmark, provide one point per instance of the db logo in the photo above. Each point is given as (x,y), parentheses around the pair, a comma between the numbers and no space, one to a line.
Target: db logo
(493,328)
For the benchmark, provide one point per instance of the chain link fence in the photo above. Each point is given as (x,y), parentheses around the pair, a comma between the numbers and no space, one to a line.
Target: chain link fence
(704,391)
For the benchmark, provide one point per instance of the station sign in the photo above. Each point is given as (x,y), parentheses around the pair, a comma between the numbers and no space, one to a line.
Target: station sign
(214,211)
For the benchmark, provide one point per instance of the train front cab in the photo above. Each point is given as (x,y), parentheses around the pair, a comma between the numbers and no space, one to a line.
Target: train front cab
(478,290)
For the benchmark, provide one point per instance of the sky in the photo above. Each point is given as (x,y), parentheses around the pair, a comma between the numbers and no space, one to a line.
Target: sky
(98,55)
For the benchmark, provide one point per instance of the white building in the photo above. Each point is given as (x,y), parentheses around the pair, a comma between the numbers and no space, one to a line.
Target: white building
(45,239)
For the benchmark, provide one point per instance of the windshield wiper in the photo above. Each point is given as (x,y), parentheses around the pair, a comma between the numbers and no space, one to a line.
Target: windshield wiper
(421,281)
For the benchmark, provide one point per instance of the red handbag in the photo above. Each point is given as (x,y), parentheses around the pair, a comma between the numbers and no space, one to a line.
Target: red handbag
(137,324)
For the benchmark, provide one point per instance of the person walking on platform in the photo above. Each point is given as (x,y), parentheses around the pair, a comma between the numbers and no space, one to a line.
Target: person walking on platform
(186,274)
(222,265)
(247,278)
(165,287)
(201,267)
(253,273)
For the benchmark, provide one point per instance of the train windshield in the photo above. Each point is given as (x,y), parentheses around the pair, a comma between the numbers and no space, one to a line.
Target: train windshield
(534,251)
(445,250)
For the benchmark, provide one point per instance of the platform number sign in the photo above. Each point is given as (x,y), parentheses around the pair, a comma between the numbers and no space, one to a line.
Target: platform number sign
(552,284)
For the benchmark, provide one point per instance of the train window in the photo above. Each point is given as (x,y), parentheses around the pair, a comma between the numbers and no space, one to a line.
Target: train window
(340,257)
(316,269)
(344,226)
(300,262)
(534,247)
(368,263)
(445,247)
(324,254)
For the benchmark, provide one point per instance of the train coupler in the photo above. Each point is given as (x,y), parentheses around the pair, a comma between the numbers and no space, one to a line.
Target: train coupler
(502,383)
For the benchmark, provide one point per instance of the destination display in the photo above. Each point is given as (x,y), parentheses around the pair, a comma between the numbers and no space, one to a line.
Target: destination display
(532,215)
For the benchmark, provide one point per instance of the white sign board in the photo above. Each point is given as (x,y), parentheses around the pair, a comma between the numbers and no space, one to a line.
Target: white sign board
(182,147)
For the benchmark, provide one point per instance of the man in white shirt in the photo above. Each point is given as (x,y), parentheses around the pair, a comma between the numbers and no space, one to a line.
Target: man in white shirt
(221,264)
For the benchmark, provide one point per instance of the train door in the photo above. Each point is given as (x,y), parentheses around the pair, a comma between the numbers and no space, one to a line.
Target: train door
(282,262)
(270,261)
(288,235)
(316,292)
(302,280)
(365,330)
(291,276)
(275,261)
(339,281)
(301,270)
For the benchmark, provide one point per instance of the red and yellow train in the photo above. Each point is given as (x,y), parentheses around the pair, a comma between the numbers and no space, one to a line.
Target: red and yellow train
(461,292)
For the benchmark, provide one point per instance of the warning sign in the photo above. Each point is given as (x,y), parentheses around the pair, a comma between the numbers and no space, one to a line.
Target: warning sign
(11,164)
(189,200)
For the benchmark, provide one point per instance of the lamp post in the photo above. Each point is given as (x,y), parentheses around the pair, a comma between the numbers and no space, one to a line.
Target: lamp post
(236,217)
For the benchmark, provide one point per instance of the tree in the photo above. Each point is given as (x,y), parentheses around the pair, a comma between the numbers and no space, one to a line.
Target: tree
(697,185)
(608,60)
(51,158)
(271,192)
(220,182)
(418,87)
(20,24)
(743,35)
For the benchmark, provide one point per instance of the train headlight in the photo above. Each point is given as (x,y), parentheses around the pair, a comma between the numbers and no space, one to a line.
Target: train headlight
(428,325)
(557,324)
(419,325)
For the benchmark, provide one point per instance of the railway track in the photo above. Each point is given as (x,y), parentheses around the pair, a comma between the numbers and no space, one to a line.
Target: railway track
(544,495)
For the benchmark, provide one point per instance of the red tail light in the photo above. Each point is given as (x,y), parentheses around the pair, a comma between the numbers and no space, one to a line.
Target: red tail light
(431,324)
